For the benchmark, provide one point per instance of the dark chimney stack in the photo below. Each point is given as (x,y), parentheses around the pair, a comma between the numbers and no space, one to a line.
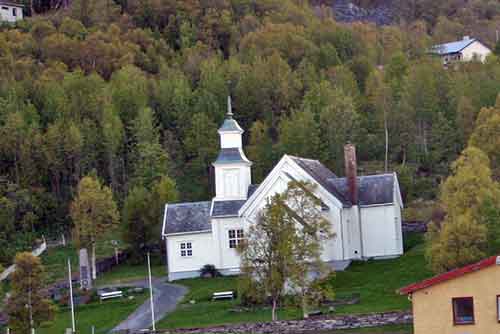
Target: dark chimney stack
(351,172)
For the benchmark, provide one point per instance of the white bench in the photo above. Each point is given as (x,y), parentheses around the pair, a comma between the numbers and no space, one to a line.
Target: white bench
(111,295)
(223,295)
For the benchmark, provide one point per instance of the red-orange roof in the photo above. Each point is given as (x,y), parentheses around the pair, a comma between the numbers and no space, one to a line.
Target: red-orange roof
(449,275)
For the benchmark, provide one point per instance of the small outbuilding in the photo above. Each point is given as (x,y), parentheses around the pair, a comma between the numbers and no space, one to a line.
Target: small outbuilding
(464,300)
(467,49)
(10,11)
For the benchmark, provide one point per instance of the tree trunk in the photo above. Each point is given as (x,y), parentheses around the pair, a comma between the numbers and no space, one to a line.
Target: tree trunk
(305,312)
(94,268)
(275,306)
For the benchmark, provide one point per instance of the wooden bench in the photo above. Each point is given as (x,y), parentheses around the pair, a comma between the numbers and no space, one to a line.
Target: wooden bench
(223,295)
(111,295)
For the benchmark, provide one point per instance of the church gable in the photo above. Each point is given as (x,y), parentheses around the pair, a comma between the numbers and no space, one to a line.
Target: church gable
(285,171)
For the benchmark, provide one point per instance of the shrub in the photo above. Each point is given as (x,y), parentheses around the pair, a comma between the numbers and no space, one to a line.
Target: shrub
(209,271)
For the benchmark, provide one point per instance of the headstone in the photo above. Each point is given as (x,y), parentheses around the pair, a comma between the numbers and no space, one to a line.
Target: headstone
(69,331)
(85,278)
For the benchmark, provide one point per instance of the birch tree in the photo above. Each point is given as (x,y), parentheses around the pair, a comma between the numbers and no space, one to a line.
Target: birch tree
(27,306)
(282,253)
(93,212)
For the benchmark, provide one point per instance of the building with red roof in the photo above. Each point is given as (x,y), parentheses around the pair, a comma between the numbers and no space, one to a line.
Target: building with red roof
(462,301)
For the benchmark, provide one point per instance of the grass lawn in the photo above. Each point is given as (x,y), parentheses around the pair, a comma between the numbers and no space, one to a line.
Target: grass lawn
(104,316)
(55,259)
(375,281)
(127,273)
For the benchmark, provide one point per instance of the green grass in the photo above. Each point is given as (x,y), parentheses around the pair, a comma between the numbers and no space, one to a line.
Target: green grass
(104,316)
(126,272)
(375,281)
(55,259)
(206,312)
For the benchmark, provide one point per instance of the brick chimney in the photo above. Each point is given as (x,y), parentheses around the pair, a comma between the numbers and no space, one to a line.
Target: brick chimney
(351,172)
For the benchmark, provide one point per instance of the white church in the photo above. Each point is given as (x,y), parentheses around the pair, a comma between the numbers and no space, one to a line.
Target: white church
(364,211)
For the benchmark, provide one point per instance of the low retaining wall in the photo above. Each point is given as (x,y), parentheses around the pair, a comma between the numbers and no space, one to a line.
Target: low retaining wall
(414,226)
(312,325)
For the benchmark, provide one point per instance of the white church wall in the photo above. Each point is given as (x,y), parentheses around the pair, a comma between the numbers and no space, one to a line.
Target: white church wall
(332,248)
(351,233)
(229,258)
(230,140)
(203,252)
(381,231)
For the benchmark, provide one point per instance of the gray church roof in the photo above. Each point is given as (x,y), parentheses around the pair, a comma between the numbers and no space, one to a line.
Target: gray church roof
(372,189)
(195,216)
(231,155)
(227,208)
(188,217)
(230,125)
(321,174)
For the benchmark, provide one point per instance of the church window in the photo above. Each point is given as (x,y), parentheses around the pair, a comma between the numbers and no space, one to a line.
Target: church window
(186,249)
(236,237)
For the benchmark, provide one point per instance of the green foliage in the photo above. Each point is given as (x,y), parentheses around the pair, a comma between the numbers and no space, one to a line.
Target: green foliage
(136,90)
(283,246)
(93,211)
(462,238)
(27,299)
(142,214)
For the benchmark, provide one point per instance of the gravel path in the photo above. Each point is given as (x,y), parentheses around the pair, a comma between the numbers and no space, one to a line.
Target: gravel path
(165,297)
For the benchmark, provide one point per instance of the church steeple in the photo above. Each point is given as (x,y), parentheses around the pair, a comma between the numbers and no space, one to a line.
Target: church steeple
(230,132)
(232,167)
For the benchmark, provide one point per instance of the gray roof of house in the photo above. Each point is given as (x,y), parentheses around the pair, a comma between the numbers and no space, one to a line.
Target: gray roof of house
(188,217)
(231,155)
(227,208)
(322,175)
(12,3)
(195,216)
(372,189)
(453,47)
(230,125)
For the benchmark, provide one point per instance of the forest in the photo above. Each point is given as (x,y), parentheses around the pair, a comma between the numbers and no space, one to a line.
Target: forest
(132,93)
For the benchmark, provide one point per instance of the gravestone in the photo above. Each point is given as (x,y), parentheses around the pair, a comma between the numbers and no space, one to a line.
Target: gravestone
(85,278)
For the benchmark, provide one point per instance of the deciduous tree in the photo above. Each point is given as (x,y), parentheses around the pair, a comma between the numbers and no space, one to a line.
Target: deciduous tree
(28,306)
(93,212)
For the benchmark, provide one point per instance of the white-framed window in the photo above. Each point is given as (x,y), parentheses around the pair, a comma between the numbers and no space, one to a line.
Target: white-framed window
(236,237)
(14,11)
(186,249)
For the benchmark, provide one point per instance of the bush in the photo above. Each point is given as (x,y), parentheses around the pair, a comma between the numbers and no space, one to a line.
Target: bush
(209,271)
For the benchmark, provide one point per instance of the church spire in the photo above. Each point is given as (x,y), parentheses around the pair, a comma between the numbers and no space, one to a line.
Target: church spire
(229,114)
(232,167)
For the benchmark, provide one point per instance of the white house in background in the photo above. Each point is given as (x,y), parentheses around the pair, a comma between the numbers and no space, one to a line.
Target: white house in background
(10,11)
(467,49)
(364,211)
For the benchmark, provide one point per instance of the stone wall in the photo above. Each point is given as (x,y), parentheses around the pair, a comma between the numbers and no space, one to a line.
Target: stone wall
(414,226)
(312,325)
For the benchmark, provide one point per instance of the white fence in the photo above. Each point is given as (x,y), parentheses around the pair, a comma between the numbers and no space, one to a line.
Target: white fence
(37,252)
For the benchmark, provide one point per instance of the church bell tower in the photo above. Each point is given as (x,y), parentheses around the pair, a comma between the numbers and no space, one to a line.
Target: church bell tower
(232,167)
